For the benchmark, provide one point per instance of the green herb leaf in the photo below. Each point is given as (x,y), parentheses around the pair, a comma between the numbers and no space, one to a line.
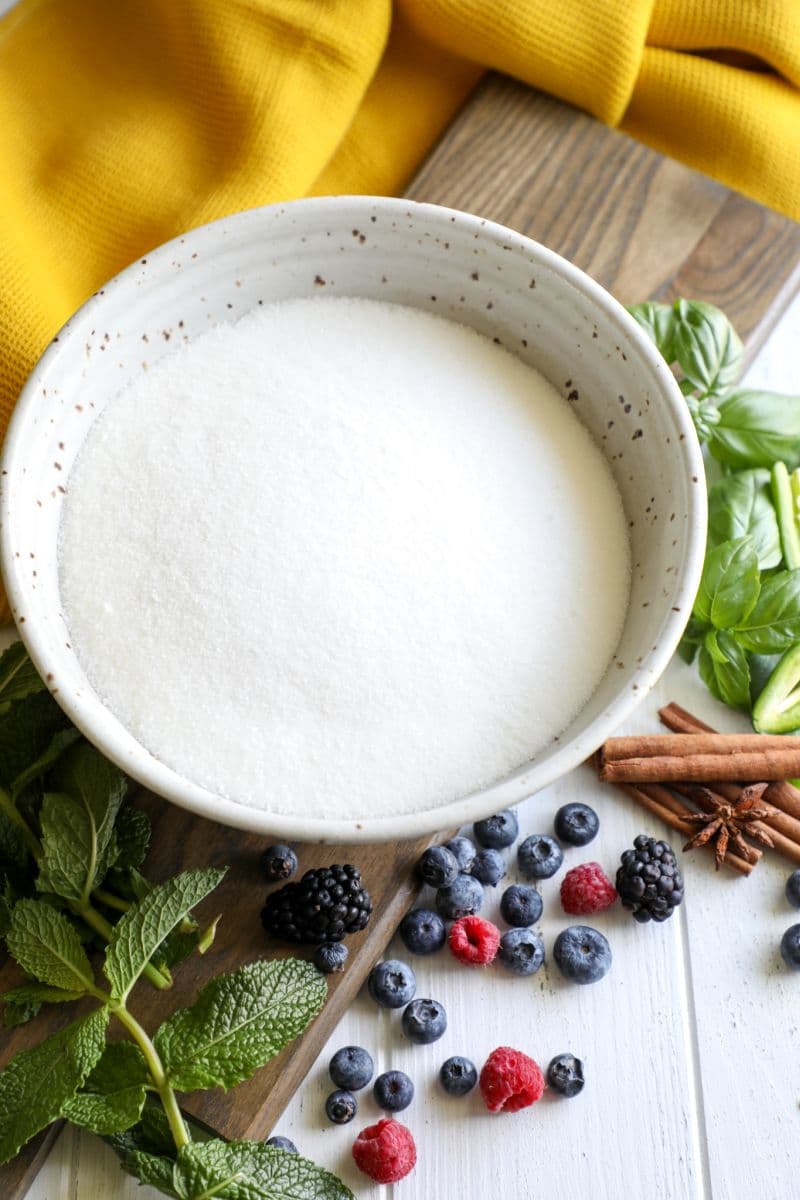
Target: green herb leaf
(756,428)
(151,1169)
(777,709)
(122,1065)
(13,851)
(251,1171)
(133,837)
(47,947)
(707,347)
(729,586)
(141,930)
(5,915)
(106,1113)
(60,742)
(26,731)
(773,625)
(37,1083)
(658,322)
(724,668)
(18,676)
(239,1022)
(24,1002)
(153,1134)
(740,506)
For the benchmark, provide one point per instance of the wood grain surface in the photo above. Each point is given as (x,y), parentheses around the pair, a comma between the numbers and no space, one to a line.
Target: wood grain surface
(645,227)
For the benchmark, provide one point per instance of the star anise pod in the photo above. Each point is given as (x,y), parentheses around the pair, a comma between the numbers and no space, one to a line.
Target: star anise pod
(726,821)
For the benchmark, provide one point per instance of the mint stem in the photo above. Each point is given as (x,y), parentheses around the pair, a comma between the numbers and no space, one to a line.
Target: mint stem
(167,1096)
(99,924)
(111,901)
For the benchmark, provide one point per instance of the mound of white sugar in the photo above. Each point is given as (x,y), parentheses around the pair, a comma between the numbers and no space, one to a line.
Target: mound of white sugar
(342,558)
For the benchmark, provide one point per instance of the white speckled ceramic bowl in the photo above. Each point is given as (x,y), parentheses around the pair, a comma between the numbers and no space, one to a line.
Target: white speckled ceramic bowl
(504,285)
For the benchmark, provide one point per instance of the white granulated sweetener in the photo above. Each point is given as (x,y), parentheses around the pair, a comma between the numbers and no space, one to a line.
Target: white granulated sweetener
(342,558)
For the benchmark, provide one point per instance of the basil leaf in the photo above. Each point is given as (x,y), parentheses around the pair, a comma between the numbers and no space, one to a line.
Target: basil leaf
(658,322)
(729,585)
(707,347)
(47,947)
(251,1171)
(724,669)
(740,506)
(756,428)
(143,927)
(37,1083)
(18,676)
(24,1002)
(774,623)
(60,742)
(238,1023)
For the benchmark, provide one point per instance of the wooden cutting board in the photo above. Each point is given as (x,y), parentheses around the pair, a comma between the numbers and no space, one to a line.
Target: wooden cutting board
(645,227)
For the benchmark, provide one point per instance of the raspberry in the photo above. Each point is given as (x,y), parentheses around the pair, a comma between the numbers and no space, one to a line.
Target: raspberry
(510,1080)
(587,889)
(474,941)
(385,1151)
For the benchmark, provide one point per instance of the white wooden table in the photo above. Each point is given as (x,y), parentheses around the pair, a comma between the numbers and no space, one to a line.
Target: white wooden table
(691,1043)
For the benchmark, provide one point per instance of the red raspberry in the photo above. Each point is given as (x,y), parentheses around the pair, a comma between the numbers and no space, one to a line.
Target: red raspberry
(587,889)
(474,941)
(385,1151)
(510,1080)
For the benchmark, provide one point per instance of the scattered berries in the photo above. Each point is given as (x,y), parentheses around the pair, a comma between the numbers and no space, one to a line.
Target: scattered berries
(392,983)
(790,947)
(393,1091)
(649,881)
(279,862)
(576,824)
(497,832)
(461,898)
(520,905)
(474,941)
(423,931)
(282,1143)
(510,1080)
(582,953)
(464,851)
(587,889)
(351,1068)
(488,867)
(326,905)
(793,889)
(438,866)
(341,1107)
(565,1075)
(521,951)
(330,957)
(539,856)
(458,1075)
(385,1151)
(424,1021)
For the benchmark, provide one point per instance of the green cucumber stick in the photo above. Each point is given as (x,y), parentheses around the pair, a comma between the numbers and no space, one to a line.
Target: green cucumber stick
(777,709)
(784,499)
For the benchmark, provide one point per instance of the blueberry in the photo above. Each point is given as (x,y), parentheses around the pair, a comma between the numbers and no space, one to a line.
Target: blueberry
(458,1075)
(282,1143)
(464,851)
(461,898)
(279,862)
(497,832)
(539,856)
(583,954)
(488,867)
(521,951)
(330,957)
(393,1091)
(565,1075)
(341,1107)
(392,983)
(423,931)
(576,824)
(351,1068)
(438,866)
(790,948)
(520,905)
(424,1021)
(793,888)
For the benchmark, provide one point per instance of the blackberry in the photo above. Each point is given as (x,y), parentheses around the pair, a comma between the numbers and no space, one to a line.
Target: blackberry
(279,862)
(649,881)
(326,905)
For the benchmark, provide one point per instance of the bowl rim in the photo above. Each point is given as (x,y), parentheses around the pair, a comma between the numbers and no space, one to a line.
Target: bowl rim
(169,784)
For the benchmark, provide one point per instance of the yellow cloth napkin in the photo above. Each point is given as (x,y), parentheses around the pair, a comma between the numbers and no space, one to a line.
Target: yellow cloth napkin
(123,123)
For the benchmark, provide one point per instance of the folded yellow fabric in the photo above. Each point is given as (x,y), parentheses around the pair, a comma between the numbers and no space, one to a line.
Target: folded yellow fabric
(122,124)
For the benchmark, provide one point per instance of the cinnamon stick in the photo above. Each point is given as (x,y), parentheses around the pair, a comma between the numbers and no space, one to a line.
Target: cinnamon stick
(646,794)
(675,745)
(746,767)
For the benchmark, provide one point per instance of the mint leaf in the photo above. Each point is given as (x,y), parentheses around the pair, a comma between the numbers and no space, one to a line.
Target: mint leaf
(739,506)
(729,585)
(238,1023)
(106,1113)
(707,347)
(251,1171)
(18,676)
(122,1065)
(13,851)
(47,947)
(26,730)
(141,930)
(24,1002)
(60,742)
(133,837)
(37,1083)
(150,1169)
(773,625)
